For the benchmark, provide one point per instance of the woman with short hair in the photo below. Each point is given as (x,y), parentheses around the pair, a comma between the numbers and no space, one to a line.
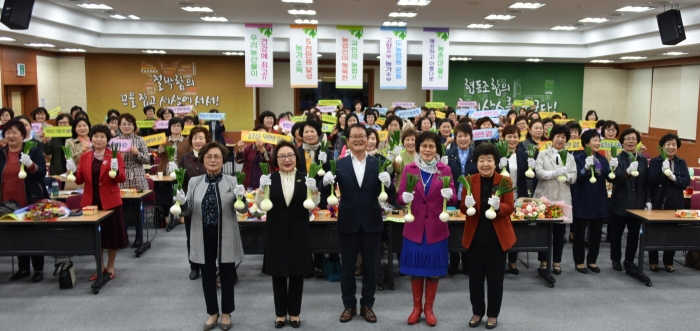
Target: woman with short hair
(268,120)
(53,148)
(80,142)
(135,157)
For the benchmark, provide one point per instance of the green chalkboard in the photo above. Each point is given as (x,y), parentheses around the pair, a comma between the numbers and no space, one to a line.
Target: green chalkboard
(496,85)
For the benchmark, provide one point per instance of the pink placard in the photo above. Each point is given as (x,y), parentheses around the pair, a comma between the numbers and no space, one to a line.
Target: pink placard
(162,124)
(286,125)
(124,144)
(37,127)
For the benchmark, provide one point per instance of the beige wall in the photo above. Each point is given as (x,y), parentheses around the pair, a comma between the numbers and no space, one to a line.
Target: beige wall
(605,91)
(61,82)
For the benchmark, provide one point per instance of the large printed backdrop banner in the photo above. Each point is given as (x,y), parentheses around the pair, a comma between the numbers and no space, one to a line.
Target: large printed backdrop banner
(496,85)
(130,82)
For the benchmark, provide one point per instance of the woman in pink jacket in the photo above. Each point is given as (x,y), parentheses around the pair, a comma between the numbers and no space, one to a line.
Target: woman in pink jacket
(424,255)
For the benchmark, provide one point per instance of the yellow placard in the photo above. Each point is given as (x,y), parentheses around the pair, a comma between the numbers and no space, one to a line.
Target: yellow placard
(435,104)
(188,128)
(587,124)
(330,102)
(266,137)
(145,124)
(298,118)
(523,135)
(548,114)
(563,121)
(327,127)
(54,112)
(518,103)
(528,103)
(605,144)
(58,132)
(571,145)
(155,139)
(439,114)
(329,118)
(380,121)
(383,135)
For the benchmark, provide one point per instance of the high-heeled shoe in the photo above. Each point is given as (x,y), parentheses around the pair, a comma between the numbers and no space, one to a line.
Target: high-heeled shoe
(280,324)
(556,269)
(669,268)
(654,268)
(208,327)
(295,324)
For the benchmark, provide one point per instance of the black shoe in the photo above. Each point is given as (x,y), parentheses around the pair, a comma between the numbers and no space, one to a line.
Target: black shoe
(582,270)
(295,324)
(37,277)
(617,266)
(513,270)
(594,269)
(194,274)
(473,323)
(654,269)
(280,324)
(556,271)
(630,266)
(318,273)
(19,275)
(669,268)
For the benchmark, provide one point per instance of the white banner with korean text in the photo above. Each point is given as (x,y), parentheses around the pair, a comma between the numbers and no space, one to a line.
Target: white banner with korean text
(303,63)
(393,48)
(436,66)
(258,55)
(348,57)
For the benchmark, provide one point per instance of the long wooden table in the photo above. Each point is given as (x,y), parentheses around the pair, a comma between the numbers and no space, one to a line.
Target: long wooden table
(661,230)
(76,235)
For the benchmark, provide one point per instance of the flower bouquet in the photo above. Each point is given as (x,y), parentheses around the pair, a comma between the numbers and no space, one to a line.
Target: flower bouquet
(46,211)
(557,209)
(528,209)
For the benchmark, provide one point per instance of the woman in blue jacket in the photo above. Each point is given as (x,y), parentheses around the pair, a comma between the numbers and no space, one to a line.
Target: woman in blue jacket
(590,202)
(667,188)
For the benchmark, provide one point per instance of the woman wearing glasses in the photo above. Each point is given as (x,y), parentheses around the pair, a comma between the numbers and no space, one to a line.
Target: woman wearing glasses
(177,140)
(287,251)
(215,236)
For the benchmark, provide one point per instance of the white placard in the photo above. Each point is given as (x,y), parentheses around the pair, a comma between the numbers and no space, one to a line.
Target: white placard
(349,57)
(393,47)
(303,64)
(258,55)
(436,66)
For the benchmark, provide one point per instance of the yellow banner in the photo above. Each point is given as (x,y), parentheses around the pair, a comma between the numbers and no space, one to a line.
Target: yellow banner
(571,145)
(439,114)
(330,102)
(564,121)
(188,128)
(435,104)
(548,114)
(380,121)
(268,138)
(145,124)
(327,127)
(329,118)
(298,118)
(155,139)
(383,135)
(605,144)
(54,112)
(518,103)
(587,124)
(523,135)
(58,132)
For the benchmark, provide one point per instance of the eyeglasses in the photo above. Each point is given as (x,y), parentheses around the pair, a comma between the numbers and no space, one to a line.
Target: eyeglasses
(286,157)
(630,139)
(358,137)
(210,157)
(425,146)
(176,126)
(127,124)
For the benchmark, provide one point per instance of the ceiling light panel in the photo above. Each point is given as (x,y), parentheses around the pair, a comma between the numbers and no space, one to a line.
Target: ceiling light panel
(305,21)
(526,5)
(74,50)
(214,19)
(564,28)
(500,17)
(675,53)
(298,1)
(234,53)
(134,17)
(198,9)
(634,9)
(593,20)
(633,58)
(7,39)
(479,26)
(306,12)
(39,45)
(602,61)
(413,2)
(94,6)
(153,51)
(534,60)
(403,14)
(394,23)
(460,58)
(117,16)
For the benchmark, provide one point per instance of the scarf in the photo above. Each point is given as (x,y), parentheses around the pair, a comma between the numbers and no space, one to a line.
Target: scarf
(196,153)
(99,156)
(429,167)
(310,148)
(213,178)
(210,202)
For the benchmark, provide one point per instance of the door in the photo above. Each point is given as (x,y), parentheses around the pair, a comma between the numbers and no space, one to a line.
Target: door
(21,98)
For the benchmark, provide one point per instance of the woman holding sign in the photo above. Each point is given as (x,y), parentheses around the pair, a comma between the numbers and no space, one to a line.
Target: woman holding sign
(80,143)
(268,120)
(135,157)
(177,140)
(53,148)
(217,129)
(251,156)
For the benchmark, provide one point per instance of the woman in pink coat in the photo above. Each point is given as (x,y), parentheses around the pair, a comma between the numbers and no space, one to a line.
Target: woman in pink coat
(424,255)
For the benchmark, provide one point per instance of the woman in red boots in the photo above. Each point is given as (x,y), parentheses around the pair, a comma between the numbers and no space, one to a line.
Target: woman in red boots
(424,255)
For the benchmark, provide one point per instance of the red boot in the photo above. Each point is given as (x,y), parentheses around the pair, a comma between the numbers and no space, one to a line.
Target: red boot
(430,290)
(417,288)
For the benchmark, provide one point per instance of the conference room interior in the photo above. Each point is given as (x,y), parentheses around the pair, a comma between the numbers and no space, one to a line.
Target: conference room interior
(563,56)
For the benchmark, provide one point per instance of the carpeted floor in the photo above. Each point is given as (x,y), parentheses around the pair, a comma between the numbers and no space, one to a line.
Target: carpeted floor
(153,292)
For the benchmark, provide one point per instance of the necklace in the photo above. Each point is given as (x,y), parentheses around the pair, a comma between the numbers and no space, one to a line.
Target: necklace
(425,182)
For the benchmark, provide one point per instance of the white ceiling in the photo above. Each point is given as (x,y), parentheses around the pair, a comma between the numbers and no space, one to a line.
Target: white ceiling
(164,25)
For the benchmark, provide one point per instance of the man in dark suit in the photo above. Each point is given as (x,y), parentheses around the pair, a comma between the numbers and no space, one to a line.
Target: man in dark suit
(359,221)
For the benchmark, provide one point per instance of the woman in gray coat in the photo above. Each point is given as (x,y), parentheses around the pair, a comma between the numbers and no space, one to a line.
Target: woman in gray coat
(214,230)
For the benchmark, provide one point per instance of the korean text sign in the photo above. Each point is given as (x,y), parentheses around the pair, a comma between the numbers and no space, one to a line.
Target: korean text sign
(258,55)
(436,51)
(349,57)
(268,138)
(303,62)
(393,50)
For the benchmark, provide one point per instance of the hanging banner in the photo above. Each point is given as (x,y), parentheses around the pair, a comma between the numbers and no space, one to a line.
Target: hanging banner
(212,116)
(326,109)
(348,57)
(436,50)
(406,105)
(393,48)
(181,109)
(258,55)
(467,104)
(57,132)
(268,138)
(303,56)
(415,112)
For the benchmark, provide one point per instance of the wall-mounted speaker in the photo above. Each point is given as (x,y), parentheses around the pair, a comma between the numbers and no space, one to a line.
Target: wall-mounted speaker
(671,27)
(16,14)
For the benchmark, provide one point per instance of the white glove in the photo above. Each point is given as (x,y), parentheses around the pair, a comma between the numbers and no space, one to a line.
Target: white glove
(531,163)
(633,166)
(385,178)
(114,164)
(311,184)
(26,160)
(444,160)
(446,193)
(397,150)
(589,162)
(665,165)
(502,163)
(561,172)
(70,166)
(322,157)
(407,197)
(613,162)
(180,196)
(469,201)
(647,206)
(265,180)
(495,202)
(172,167)
(239,190)
(328,178)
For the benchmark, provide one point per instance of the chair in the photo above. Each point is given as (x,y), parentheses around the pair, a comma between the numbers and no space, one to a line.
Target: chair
(696,186)
(153,170)
(156,161)
(695,202)
(149,203)
(73,201)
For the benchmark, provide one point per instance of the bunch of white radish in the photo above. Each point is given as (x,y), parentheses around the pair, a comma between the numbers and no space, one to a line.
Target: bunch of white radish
(563,154)
(69,155)
(531,151)
(466,183)
(240,201)
(180,177)
(505,186)
(589,153)
(314,169)
(411,181)
(502,147)
(27,147)
(332,199)
(382,168)
(613,153)
(444,216)
(266,204)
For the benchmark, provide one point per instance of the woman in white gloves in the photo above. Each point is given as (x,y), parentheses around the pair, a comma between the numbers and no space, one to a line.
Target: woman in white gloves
(550,167)
(214,230)
(629,192)
(287,250)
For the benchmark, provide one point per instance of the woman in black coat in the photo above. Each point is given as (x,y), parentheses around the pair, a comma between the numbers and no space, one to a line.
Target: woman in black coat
(667,190)
(287,250)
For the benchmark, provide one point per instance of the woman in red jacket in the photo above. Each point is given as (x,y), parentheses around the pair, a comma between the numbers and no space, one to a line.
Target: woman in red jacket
(103,191)
(486,240)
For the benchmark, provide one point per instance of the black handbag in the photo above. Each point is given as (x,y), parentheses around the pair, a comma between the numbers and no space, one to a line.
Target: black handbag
(66,275)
